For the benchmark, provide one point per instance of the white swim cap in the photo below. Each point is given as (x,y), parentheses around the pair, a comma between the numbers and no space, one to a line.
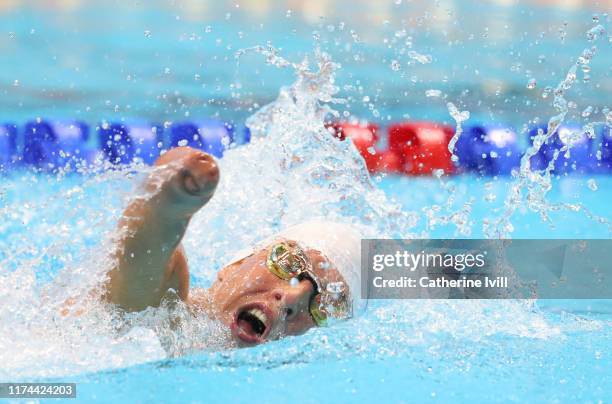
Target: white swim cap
(340,243)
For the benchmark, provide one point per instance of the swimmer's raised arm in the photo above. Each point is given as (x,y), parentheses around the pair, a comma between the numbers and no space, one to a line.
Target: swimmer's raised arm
(149,257)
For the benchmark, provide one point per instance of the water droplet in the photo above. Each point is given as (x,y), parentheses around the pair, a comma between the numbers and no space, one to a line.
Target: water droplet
(11,35)
(596,32)
(531,84)
(395,65)
(592,184)
(459,116)
(586,70)
(335,287)
(423,59)
(294,282)
(147,34)
(587,111)
(433,93)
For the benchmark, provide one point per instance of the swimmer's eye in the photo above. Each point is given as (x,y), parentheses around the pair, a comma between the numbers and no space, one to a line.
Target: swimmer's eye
(318,313)
(327,305)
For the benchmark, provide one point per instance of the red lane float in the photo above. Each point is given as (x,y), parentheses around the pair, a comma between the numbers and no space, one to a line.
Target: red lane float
(365,139)
(422,147)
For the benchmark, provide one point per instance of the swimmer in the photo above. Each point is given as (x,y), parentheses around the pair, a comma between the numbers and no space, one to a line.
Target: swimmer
(302,278)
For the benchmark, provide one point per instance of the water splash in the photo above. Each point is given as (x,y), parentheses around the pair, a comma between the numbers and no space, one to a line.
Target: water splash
(459,117)
(292,170)
(538,184)
(51,269)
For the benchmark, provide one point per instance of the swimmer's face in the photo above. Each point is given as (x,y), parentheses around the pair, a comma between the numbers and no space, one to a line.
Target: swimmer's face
(258,306)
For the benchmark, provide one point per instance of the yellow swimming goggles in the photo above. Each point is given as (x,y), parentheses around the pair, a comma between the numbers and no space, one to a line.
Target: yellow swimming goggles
(287,262)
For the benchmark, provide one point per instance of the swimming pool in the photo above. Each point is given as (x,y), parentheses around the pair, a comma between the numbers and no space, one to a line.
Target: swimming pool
(55,228)
(405,350)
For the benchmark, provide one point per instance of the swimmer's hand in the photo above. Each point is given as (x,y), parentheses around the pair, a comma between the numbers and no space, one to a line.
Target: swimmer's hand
(148,258)
(183,181)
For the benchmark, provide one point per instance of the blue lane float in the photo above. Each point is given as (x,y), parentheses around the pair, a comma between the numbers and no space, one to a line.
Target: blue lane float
(482,149)
(246,135)
(211,136)
(124,143)
(8,145)
(604,151)
(488,150)
(56,144)
(574,148)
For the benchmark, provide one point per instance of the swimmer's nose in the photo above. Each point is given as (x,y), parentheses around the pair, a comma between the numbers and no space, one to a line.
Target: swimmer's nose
(294,299)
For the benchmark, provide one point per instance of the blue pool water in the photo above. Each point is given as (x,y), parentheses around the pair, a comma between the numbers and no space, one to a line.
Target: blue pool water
(497,369)
(164,63)
(483,351)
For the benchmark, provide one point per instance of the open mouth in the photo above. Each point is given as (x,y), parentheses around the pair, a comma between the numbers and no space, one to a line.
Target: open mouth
(252,324)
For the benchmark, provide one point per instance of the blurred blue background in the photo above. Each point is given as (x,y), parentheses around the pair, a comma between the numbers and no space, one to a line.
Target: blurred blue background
(171,60)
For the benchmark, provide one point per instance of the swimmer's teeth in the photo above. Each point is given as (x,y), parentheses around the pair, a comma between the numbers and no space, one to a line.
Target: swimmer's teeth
(259,314)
